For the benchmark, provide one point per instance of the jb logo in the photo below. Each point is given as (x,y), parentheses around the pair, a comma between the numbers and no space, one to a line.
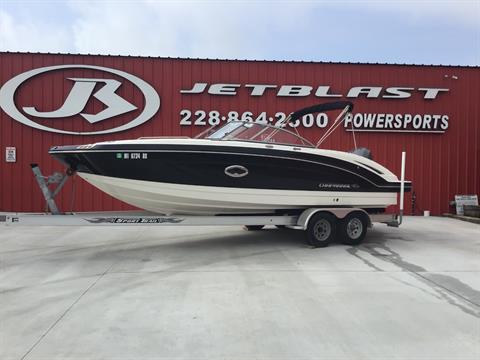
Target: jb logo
(77,99)
(79,96)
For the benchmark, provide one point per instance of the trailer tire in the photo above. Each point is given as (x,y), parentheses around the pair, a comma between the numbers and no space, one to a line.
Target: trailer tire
(321,229)
(253,227)
(353,228)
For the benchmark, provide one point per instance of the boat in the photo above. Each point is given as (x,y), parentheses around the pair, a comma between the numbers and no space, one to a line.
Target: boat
(237,168)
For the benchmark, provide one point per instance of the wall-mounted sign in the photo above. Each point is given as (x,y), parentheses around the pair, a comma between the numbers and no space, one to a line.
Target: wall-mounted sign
(102,89)
(461,200)
(420,123)
(373,122)
(410,123)
(322,91)
(10,154)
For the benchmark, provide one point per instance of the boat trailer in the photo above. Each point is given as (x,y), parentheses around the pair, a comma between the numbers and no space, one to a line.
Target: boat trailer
(323,224)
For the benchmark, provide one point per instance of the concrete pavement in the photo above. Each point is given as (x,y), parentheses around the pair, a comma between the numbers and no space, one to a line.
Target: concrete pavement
(224,293)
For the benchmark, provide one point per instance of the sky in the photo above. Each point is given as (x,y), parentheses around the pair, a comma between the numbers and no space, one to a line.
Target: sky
(410,31)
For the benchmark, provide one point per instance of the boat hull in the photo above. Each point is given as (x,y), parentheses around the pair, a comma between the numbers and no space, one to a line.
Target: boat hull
(189,176)
(168,198)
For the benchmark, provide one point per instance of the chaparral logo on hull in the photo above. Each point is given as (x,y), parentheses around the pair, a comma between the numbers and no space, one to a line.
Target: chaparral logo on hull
(80,94)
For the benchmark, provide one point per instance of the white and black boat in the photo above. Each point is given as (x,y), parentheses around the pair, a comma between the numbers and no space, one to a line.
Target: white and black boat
(238,168)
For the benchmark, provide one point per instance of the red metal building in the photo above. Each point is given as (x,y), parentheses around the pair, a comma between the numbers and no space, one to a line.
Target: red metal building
(432,112)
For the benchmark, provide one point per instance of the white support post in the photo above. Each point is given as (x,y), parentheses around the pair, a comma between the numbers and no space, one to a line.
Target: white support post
(402,186)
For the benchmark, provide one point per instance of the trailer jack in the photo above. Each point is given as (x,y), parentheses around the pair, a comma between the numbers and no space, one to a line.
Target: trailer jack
(45,181)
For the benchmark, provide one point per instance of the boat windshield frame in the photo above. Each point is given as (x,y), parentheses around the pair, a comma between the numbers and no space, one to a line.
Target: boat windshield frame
(263,127)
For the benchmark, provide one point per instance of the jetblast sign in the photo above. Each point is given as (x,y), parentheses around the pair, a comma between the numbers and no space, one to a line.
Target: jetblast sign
(380,122)
(104,89)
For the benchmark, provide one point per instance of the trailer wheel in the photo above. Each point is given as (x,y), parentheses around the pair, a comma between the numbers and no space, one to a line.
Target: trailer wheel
(353,228)
(321,229)
(253,227)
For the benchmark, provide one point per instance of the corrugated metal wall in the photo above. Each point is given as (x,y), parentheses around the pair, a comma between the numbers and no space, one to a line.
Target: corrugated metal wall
(440,165)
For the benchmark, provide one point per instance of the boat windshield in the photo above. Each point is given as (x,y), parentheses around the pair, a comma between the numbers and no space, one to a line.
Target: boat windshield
(249,131)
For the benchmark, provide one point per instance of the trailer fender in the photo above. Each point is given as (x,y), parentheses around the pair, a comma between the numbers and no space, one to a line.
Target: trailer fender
(339,213)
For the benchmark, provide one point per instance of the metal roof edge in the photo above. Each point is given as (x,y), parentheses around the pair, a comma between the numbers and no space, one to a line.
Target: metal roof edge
(239,60)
